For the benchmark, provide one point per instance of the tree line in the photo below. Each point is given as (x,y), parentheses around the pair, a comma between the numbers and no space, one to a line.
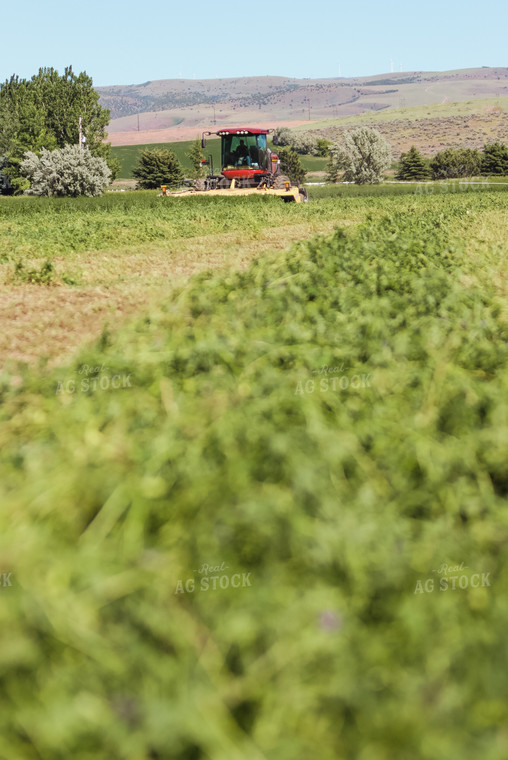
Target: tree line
(53,132)
(454,162)
(364,154)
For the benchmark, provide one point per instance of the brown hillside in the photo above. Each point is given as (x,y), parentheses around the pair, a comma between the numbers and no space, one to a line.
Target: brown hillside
(432,134)
(165,104)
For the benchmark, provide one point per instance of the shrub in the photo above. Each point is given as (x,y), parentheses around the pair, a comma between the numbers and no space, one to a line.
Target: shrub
(66,171)
(305,144)
(156,167)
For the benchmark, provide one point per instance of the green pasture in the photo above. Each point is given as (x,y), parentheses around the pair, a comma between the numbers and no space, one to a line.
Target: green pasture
(128,156)
(284,535)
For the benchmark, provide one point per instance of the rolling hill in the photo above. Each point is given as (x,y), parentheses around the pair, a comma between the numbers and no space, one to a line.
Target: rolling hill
(186,104)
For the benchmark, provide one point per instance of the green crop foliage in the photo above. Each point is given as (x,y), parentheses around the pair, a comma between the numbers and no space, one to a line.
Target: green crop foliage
(63,226)
(330,502)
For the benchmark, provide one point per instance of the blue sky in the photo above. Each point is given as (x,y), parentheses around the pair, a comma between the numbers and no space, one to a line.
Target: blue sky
(133,41)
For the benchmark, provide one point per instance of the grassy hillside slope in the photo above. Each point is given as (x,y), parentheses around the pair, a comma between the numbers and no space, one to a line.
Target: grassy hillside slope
(430,128)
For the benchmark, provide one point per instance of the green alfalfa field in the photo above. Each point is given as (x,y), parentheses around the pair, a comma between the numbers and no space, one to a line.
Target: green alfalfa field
(266,519)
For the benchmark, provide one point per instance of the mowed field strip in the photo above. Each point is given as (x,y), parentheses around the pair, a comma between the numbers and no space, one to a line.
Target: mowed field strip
(94,285)
(40,321)
(110,284)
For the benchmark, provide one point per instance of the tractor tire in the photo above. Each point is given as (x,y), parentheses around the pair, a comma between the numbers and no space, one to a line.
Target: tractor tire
(199,184)
(279,182)
(304,195)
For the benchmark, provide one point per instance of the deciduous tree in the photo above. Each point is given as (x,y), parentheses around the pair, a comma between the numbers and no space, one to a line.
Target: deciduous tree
(363,156)
(322,147)
(44,112)
(495,159)
(456,162)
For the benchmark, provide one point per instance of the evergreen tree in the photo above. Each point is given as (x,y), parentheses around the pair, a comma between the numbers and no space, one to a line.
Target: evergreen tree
(156,167)
(336,162)
(196,157)
(495,159)
(290,165)
(413,166)
(6,187)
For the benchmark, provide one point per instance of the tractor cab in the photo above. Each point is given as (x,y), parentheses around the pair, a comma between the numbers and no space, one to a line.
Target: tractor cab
(245,156)
(248,167)
(244,150)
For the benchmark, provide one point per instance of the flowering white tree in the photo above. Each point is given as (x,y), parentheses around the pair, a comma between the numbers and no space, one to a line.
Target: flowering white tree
(363,156)
(68,171)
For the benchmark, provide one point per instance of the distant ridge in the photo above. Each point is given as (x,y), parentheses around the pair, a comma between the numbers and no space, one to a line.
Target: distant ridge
(161,104)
